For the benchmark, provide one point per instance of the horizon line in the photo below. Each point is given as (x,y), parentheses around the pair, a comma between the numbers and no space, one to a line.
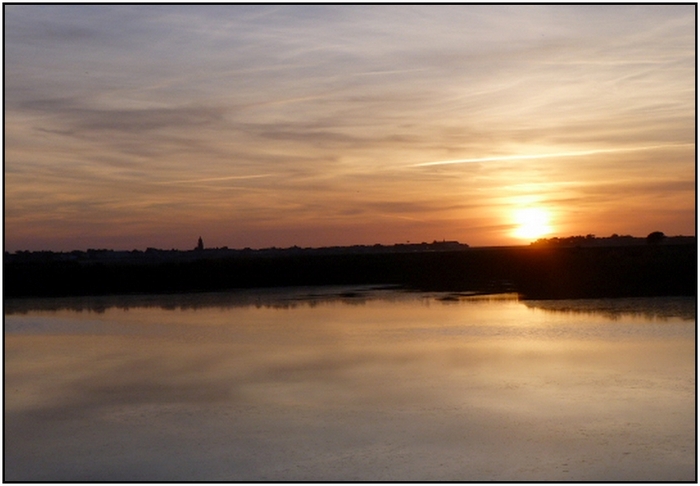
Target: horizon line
(614,236)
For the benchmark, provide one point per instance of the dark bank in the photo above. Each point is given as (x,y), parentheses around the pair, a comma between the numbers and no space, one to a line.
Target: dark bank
(535,272)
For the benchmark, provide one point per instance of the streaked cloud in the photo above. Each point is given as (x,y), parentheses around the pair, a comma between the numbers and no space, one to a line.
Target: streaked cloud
(558,155)
(217,179)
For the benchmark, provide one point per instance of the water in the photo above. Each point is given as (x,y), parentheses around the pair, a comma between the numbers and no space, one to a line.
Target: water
(349,384)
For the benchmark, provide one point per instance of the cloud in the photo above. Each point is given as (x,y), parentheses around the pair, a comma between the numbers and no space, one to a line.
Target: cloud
(79,118)
(217,179)
(581,153)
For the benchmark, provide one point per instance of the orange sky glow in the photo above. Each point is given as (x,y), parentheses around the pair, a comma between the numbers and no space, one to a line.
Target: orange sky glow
(135,126)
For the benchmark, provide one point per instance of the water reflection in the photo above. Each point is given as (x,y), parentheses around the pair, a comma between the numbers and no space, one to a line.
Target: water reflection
(273,297)
(404,386)
(615,309)
(285,298)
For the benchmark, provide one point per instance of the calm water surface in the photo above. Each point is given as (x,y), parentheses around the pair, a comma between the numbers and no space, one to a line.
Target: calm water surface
(349,384)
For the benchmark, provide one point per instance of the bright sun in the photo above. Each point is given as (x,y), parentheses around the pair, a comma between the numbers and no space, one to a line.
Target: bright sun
(532,223)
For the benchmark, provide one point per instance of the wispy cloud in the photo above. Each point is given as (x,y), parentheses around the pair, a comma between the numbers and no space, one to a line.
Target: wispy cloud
(216,179)
(76,115)
(580,153)
(388,71)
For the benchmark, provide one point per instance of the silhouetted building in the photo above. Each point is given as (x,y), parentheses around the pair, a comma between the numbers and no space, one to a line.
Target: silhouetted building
(200,244)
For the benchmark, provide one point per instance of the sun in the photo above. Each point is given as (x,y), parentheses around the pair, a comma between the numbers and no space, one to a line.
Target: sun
(531,223)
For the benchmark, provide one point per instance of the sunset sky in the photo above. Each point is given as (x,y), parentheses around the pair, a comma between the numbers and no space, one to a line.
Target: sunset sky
(132,126)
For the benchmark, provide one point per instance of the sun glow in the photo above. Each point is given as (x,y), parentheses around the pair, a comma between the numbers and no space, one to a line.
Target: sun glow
(531,223)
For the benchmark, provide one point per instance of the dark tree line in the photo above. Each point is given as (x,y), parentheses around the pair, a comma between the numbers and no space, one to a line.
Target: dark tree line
(535,272)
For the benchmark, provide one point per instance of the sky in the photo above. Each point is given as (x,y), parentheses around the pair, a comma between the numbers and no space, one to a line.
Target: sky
(135,126)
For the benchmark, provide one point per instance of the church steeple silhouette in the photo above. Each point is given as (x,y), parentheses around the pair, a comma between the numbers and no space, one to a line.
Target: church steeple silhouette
(200,244)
